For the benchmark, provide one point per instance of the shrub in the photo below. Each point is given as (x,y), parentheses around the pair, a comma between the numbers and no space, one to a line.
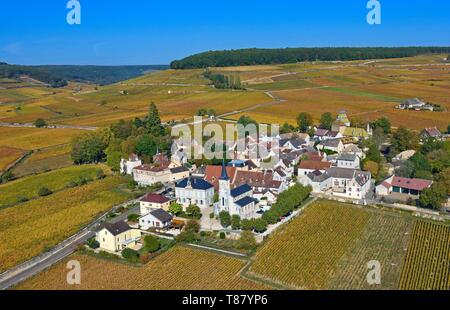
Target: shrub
(21,199)
(246,241)
(260,225)
(194,211)
(144,258)
(92,243)
(247,224)
(44,191)
(130,255)
(192,226)
(72,184)
(151,243)
(175,208)
(222,235)
(39,123)
(187,236)
(133,218)
(235,222)
(211,215)
(100,174)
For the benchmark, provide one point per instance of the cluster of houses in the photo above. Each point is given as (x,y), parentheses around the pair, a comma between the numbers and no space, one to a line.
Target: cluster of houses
(329,162)
(416,104)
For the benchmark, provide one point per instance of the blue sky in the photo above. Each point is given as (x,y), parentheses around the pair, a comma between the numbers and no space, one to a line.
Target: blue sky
(158,31)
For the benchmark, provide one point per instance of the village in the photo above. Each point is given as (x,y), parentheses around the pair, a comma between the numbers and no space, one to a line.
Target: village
(238,195)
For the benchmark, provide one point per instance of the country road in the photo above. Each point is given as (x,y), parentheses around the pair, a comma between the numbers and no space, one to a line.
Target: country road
(29,125)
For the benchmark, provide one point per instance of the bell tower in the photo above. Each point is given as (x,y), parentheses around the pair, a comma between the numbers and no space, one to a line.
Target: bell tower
(224,189)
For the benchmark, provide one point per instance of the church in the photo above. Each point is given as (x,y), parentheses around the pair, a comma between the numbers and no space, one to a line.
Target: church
(237,201)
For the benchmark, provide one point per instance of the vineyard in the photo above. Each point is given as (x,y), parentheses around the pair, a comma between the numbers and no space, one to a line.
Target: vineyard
(8,155)
(384,239)
(306,252)
(16,191)
(32,227)
(180,268)
(427,264)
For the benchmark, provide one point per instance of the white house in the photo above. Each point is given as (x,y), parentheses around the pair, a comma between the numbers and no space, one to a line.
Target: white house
(334,145)
(146,175)
(348,160)
(127,166)
(349,183)
(152,201)
(157,218)
(403,186)
(237,201)
(319,181)
(194,191)
(307,166)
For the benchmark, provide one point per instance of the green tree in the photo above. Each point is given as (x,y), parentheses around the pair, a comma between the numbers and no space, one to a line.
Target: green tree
(133,218)
(260,225)
(286,128)
(100,174)
(326,120)
(39,123)
(193,211)
(235,222)
(383,123)
(175,208)
(88,148)
(304,121)
(151,243)
(403,140)
(145,145)
(154,121)
(225,219)
(433,197)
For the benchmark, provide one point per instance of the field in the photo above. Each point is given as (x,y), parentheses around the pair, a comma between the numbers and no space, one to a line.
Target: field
(44,160)
(180,268)
(28,187)
(427,264)
(366,89)
(30,228)
(35,138)
(9,155)
(329,246)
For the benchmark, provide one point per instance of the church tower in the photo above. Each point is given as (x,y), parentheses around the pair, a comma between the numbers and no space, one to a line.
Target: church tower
(224,190)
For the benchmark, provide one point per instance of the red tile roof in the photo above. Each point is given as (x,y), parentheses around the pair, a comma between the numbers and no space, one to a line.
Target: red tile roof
(155,198)
(314,165)
(212,174)
(414,184)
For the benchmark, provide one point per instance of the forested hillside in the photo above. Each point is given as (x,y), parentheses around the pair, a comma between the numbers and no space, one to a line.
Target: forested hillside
(58,76)
(292,55)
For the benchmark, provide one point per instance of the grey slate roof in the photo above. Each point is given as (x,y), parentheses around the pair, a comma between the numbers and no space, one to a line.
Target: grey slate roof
(179,169)
(162,215)
(244,188)
(331,142)
(245,201)
(115,228)
(347,157)
(196,183)
(317,176)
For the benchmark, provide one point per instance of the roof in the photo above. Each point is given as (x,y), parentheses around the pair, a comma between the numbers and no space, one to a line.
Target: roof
(213,173)
(320,132)
(414,184)
(245,201)
(347,157)
(195,183)
(150,168)
(155,198)
(314,165)
(244,188)
(256,179)
(414,102)
(352,148)
(433,132)
(355,132)
(162,215)
(317,176)
(115,228)
(331,143)
(179,169)
(223,172)
(341,173)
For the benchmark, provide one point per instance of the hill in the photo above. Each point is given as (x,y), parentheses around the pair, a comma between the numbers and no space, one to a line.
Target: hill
(58,75)
(245,57)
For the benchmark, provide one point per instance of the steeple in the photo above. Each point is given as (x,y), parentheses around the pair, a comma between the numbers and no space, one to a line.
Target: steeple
(224,175)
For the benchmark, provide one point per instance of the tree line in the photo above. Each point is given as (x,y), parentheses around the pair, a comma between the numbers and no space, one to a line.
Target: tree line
(256,56)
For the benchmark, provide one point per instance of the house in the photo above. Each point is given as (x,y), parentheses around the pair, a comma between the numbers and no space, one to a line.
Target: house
(146,175)
(349,183)
(292,144)
(319,181)
(414,104)
(348,160)
(325,134)
(265,197)
(355,133)
(334,145)
(307,166)
(432,133)
(259,181)
(178,173)
(406,186)
(115,237)
(236,201)
(194,191)
(157,218)
(127,165)
(213,173)
(354,149)
(403,156)
(153,201)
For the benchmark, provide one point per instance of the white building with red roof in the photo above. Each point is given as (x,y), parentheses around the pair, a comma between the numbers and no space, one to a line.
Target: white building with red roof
(407,186)
(153,201)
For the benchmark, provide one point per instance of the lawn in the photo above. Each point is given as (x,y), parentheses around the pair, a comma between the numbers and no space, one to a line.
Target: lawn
(33,227)
(180,268)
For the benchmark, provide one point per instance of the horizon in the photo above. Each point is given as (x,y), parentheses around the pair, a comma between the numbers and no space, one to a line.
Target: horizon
(135,33)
